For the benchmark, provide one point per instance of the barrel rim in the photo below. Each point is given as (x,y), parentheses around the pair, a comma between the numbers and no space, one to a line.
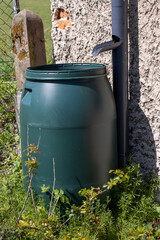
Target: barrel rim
(65,71)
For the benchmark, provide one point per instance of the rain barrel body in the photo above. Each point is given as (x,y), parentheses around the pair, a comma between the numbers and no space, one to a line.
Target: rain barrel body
(70,110)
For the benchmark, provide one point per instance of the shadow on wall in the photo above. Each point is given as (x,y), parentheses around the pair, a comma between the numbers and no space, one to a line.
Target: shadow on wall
(141,142)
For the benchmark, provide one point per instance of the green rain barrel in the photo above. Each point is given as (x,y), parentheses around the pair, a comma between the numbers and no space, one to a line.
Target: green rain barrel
(71,109)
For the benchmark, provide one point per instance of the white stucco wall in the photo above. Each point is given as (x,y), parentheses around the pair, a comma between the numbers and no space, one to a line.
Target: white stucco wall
(144,78)
(90,25)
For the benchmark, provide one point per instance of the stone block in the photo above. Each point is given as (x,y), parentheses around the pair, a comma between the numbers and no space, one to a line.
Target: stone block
(28,43)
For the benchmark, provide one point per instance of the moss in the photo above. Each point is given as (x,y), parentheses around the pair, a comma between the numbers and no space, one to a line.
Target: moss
(22,54)
(17,33)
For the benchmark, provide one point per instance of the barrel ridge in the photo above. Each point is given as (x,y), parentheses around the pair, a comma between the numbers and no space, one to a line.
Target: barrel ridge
(65,71)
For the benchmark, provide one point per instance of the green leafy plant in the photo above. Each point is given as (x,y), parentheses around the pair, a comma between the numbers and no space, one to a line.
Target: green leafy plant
(124,208)
(128,212)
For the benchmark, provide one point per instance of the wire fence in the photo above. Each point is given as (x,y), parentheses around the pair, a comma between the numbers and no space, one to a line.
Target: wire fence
(8,87)
(6,53)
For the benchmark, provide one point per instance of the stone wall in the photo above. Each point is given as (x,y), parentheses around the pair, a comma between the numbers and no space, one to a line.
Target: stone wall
(79,25)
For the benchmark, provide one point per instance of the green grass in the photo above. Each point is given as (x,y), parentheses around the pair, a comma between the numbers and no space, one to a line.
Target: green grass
(42,8)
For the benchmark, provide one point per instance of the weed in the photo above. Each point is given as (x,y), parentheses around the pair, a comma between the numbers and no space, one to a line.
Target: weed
(128,213)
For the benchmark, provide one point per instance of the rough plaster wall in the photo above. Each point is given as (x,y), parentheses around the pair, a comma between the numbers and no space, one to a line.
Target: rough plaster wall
(91,24)
(144,70)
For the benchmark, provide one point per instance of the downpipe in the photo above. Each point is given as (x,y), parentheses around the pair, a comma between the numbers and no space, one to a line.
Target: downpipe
(119,47)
